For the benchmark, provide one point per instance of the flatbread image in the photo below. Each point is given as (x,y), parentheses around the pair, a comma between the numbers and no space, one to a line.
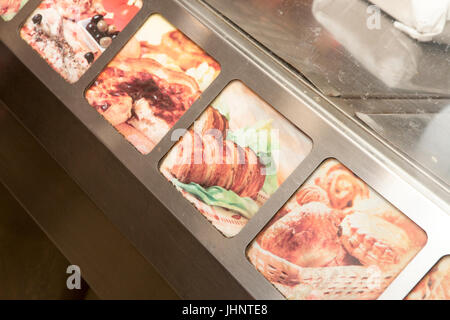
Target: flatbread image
(151,83)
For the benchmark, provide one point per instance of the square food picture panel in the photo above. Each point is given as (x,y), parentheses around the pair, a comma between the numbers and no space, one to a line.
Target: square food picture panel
(336,238)
(234,158)
(71,34)
(151,83)
(9,8)
(435,285)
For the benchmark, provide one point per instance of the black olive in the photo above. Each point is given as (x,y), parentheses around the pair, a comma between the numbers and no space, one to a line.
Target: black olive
(114,35)
(89,57)
(95,19)
(37,19)
(98,36)
(339,232)
(91,27)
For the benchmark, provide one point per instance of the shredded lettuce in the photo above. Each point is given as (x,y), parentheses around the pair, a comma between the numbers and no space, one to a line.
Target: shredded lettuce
(259,138)
(221,107)
(220,197)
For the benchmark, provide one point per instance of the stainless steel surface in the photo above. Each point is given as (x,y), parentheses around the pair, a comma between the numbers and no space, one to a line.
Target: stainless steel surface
(162,241)
(424,137)
(31,267)
(81,232)
(406,136)
(362,70)
(395,106)
(196,259)
(328,41)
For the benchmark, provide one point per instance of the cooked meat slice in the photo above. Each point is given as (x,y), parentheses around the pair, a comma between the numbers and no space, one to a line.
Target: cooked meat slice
(210,161)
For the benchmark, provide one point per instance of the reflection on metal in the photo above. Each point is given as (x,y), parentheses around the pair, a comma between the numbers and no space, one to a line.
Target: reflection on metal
(422,20)
(158,221)
(363,70)
(387,53)
(423,137)
(398,106)
(336,51)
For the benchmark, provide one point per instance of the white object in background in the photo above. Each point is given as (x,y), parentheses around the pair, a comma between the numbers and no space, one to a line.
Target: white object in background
(424,20)
(388,54)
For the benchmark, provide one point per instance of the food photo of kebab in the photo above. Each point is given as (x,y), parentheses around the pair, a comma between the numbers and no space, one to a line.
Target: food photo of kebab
(71,34)
(234,158)
(9,8)
(335,239)
(223,163)
(151,83)
(435,285)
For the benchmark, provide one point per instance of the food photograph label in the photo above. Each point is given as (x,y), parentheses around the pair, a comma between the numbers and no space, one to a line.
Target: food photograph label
(9,8)
(151,83)
(335,239)
(435,285)
(71,34)
(234,157)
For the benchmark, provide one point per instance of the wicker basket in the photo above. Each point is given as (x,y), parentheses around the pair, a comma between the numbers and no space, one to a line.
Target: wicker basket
(342,282)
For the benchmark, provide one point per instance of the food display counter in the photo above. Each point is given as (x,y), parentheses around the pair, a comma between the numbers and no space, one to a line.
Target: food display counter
(247,149)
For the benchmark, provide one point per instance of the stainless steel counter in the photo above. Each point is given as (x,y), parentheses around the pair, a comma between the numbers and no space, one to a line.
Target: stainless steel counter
(364,71)
(329,43)
(129,188)
(80,231)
